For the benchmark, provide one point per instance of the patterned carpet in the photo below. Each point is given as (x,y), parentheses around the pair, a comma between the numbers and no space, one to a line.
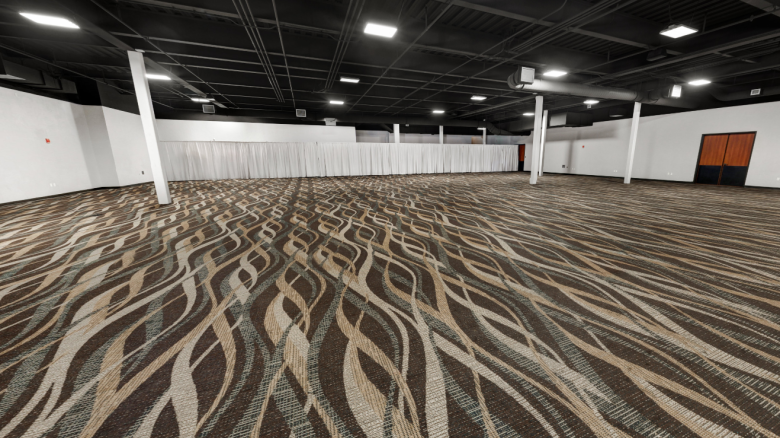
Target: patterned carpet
(460,305)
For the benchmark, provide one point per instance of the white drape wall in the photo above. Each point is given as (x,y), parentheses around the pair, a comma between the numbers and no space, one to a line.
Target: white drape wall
(226,160)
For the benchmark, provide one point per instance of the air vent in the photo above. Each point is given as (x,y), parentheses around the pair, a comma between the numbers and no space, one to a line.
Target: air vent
(527,75)
(209,109)
(300,113)
(755,92)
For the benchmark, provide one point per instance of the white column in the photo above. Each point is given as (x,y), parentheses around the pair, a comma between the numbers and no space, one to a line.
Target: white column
(148,122)
(397,133)
(441,134)
(536,151)
(632,143)
(544,140)
(484,135)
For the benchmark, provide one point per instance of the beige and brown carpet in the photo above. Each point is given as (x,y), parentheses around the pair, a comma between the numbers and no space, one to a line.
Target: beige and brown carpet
(407,306)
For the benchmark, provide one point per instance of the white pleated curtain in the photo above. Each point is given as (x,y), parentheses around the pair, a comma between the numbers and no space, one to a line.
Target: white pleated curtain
(227,160)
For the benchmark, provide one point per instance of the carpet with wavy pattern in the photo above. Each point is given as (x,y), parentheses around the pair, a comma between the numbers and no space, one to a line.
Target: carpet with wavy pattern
(401,306)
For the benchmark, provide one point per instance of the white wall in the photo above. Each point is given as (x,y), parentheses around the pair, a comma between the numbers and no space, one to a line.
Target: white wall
(28,165)
(205,130)
(128,147)
(667,145)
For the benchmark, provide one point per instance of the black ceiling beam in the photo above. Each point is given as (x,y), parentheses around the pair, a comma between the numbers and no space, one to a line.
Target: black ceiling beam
(527,19)
(441,13)
(692,55)
(116,42)
(548,35)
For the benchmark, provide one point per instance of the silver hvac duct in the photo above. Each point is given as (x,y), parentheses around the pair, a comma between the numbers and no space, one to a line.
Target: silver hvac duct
(656,97)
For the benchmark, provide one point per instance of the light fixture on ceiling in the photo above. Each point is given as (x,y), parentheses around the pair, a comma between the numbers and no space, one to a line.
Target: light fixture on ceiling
(438,111)
(337,102)
(529,114)
(699,82)
(555,73)
(480,98)
(676,92)
(201,99)
(350,80)
(591,102)
(155,76)
(380,30)
(678,31)
(49,20)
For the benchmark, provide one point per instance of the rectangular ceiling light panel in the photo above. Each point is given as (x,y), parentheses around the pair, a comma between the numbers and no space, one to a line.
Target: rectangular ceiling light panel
(350,80)
(49,20)
(157,77)
(555,73)
(678,31)
(699,82)
(480,98)
(380,30)
(337,102)
(676,91)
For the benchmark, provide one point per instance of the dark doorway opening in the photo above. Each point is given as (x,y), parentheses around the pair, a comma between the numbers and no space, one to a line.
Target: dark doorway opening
(724,158)
(521,155)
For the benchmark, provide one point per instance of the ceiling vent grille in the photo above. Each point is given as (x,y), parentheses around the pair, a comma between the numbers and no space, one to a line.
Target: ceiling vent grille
(300,113)
(755,92)
(209,109)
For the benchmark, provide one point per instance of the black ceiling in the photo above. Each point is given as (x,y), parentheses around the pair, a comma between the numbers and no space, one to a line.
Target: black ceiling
(264,58)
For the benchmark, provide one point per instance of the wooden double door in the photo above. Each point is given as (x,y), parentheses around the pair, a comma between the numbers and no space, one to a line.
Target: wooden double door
(724,159)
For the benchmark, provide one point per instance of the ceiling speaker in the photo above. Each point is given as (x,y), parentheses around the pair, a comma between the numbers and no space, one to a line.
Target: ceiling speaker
(300,113)
(209,109)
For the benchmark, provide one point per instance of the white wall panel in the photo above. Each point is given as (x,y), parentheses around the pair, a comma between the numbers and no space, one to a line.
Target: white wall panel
(128,147)
(206,130)
(28,165)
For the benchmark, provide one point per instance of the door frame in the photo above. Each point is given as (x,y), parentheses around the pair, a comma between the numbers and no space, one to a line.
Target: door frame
(701,149)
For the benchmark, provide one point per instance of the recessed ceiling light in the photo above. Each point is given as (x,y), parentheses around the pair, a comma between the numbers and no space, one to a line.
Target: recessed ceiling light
(678,31)
(352,80)
(49,20)
(591,102)
(478,97)
(616,115)
(201,99)
(555,73)
(157,77)
(438,111)
(529,114)
(337,102)
(699,82)
(380,30)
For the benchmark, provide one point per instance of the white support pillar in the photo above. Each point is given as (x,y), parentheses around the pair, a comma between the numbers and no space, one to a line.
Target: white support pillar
(632,143)
(537,148)
(441,134)
(141,85)
(544,140)
(484,135)
(397,133)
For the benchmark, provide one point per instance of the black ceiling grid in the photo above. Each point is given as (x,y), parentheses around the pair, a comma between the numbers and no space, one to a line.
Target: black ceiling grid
(255,58)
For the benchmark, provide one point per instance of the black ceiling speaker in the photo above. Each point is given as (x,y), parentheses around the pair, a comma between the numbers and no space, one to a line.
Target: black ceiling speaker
(209,109)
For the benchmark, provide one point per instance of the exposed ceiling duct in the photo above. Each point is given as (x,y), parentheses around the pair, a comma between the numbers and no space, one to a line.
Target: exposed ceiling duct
(656,97)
